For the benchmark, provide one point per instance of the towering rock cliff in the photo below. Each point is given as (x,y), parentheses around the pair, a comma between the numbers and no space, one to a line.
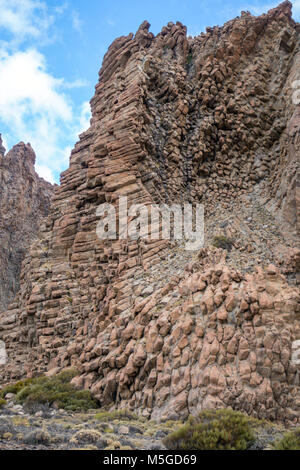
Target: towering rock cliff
(24,202)
(150,326)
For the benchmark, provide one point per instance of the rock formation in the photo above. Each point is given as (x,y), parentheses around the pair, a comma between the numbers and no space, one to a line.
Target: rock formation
(24,201)
(150,326)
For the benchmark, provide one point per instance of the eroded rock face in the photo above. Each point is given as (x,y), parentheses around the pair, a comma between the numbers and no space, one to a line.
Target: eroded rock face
(24,201)
(151,327)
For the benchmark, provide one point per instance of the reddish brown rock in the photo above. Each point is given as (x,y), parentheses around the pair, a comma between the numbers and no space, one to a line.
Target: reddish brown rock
(174,119)
(24,203)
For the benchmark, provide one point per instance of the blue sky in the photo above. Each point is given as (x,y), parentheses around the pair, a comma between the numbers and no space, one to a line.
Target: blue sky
(51,52)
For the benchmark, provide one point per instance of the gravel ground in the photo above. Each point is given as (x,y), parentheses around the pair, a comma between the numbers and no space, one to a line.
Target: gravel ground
(49,429)
(61,430)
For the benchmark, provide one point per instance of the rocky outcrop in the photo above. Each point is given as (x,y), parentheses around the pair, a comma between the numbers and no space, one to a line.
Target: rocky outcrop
(24,202)
(149,326)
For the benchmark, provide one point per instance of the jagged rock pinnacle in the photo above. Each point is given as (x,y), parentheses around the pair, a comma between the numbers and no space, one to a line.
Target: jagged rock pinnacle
(24,202)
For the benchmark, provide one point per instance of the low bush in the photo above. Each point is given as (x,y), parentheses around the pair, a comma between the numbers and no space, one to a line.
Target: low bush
(222,242)
(290,441)
(117,414)
(56,390)
(15,388)
(213,430)
(89,436)
(2,402)
(189,58)
(5,426)
(38,436)
(20,421)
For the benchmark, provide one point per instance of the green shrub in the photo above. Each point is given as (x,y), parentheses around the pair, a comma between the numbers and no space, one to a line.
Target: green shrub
(2,402)
(189,58)
(117,414)
(15,388)
(222,242)
(50,390)
(290,441)
(213,430)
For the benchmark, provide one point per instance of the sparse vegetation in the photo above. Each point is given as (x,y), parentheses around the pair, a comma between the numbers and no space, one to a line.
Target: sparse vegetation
(213,430)
(38,436)
(223,242)
(290,441)
(2,402)
(15,388)
(88,436)
(20,421)
(117,414)
(52,390)
(189,58)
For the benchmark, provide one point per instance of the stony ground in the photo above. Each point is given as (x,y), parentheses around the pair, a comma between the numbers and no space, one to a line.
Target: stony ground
(50,429)
(58,430)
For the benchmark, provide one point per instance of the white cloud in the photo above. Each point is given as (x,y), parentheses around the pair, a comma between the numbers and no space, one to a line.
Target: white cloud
(25,18)
(60,9)
(24,83)
(296,9)
(45,172)
(76,21)
(34,106)
(85,117)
